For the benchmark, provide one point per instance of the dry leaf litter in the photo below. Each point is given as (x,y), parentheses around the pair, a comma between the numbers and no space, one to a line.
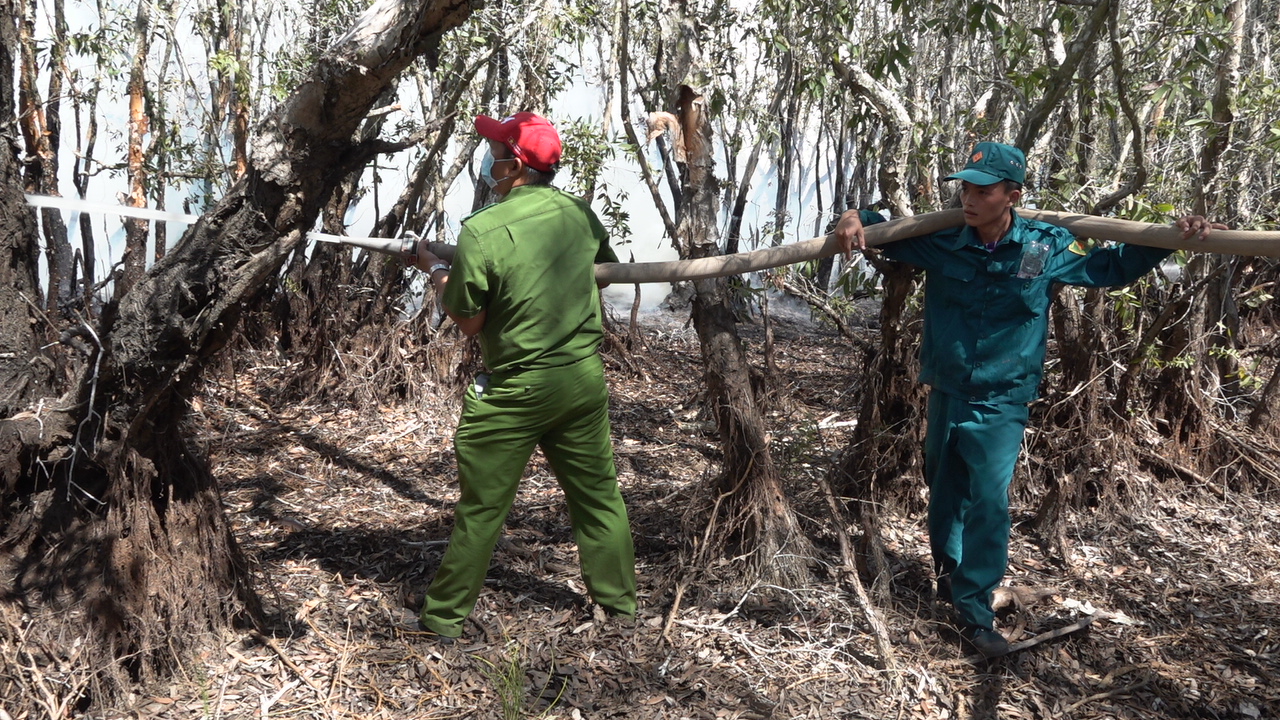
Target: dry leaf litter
(345,511)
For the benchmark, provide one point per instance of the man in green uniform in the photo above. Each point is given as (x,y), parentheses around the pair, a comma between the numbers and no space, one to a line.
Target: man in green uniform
(988,288)
(523,279)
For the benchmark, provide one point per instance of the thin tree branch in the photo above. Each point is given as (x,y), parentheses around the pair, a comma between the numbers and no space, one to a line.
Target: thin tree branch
(1139,178)
(624,58)
(1062,80)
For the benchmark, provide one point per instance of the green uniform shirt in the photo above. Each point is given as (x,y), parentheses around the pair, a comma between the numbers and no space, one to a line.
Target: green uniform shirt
(529,261)
(985,328)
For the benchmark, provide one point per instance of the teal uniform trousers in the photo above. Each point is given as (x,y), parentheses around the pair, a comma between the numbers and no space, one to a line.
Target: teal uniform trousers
(969,457)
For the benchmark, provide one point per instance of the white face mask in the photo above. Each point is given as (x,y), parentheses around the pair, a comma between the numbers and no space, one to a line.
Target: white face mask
(486,169)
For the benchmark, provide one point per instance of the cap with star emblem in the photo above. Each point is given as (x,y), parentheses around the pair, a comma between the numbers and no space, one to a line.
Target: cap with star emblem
(990,163)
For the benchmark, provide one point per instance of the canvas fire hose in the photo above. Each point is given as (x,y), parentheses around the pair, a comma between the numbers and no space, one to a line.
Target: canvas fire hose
(1230,242)
(409,247)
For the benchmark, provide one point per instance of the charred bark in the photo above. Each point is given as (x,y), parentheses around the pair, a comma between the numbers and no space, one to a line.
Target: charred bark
(41,129)
(25,373)
(8,61)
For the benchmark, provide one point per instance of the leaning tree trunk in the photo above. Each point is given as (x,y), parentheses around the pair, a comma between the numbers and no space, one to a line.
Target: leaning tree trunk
(109,511)
(25,374)
(897,133)
(309,321)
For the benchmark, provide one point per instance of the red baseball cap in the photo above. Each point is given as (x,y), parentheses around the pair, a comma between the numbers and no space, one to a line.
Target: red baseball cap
(530,137)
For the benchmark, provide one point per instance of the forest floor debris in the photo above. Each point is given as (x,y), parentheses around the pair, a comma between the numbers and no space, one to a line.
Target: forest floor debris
(345,511)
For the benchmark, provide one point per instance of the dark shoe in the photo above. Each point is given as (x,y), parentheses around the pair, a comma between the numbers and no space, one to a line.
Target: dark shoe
(430,635)
(989,643)
(623,626)
(414,627)
(943,589)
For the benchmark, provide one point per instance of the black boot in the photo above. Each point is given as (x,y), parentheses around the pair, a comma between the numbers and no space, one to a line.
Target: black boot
(943,589)
(989,643)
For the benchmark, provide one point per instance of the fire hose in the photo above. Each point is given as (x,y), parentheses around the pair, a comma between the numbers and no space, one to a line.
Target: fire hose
(409,247)
(1228,242)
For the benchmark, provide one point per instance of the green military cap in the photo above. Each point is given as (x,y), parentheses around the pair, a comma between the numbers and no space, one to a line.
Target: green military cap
(989,163)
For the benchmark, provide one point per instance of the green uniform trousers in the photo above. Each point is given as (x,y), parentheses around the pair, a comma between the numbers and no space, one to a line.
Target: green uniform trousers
(565,411)
(970,453)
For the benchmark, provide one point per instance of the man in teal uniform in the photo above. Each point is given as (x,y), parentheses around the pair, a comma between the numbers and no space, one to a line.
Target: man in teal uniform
(523,279)
(987,291)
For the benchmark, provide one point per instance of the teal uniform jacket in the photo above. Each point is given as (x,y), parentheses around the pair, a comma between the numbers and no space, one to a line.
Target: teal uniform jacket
(985,328)
(528,263)
(986,324)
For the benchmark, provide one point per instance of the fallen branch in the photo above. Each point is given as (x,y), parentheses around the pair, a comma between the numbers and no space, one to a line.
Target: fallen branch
(849,572)
(284,658)
(1104,695)
(1044,637)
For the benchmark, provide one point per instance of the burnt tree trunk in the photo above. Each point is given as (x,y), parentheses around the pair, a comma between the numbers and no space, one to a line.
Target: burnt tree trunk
(110,514)
(311,317)
(24,374)
(41,128)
